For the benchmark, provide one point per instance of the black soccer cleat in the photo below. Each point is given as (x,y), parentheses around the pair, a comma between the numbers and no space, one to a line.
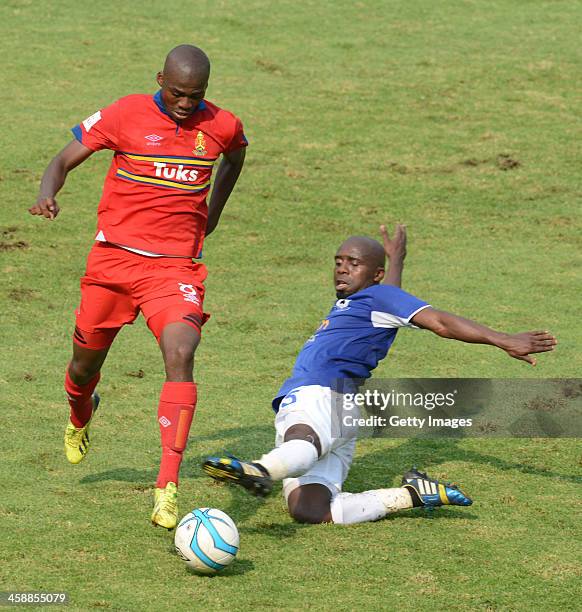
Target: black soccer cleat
(252,476)
(430,493)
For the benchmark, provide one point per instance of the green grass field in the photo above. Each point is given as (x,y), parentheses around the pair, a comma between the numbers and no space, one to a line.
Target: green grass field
(460,119)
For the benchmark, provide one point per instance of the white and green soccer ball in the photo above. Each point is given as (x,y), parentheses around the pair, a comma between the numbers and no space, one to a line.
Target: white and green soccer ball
(207,540)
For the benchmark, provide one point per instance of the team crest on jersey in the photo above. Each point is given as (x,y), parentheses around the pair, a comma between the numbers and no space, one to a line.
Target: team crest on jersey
(342,304)
(200,147)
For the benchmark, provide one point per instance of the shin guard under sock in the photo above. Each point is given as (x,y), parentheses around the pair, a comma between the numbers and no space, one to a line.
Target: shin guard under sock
(175,413)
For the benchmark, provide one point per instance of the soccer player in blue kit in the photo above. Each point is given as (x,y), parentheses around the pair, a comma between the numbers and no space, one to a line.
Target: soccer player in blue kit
(348,345)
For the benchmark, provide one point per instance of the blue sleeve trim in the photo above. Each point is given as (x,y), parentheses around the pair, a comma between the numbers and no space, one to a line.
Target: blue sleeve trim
(77,133)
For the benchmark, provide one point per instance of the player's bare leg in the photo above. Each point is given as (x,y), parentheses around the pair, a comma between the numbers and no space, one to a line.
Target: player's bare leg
(86,363)
(81,378)
(178,343)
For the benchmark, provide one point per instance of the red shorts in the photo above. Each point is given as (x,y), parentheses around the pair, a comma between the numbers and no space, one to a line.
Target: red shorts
(118,284)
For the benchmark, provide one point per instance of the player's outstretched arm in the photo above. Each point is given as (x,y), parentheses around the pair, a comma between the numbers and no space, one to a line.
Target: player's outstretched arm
(395,249)
(518,346)
(226,178)
(54,177)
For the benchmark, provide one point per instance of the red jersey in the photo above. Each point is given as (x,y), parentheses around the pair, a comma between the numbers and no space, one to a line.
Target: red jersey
(154,196)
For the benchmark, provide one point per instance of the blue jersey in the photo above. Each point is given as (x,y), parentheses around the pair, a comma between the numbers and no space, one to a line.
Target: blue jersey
(355,336)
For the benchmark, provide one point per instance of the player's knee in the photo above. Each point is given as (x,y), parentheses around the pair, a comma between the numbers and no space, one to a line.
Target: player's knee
(180,354)
(311,514)
(179,359)
(310,504)
(179,343)
(82,371)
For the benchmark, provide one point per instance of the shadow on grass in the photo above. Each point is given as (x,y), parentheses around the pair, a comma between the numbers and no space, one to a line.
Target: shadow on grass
(242,440)
(237,567)
(123,475)
(435,514)
(275,530)
(245,440)
(383,467)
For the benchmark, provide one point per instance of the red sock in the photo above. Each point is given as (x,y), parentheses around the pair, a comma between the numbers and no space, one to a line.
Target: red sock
(175,413)
(80,399)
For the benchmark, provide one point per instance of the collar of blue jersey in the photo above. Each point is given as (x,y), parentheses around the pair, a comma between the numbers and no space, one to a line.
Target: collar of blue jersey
(160,104)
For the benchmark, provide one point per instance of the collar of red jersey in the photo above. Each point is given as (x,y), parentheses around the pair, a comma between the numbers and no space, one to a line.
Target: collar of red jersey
(160,104)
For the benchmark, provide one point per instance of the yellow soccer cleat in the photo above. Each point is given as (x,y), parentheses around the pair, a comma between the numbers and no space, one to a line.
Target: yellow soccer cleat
(165,512)
(77,438)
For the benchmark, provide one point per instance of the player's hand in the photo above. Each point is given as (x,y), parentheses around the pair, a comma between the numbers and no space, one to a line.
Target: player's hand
(520,346)
(47,207)
(395,248)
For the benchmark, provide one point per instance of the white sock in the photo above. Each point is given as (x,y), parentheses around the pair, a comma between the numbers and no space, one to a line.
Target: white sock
(349,508)
(291,459)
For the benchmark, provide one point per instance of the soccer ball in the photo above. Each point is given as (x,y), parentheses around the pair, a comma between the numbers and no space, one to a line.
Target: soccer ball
(207,539)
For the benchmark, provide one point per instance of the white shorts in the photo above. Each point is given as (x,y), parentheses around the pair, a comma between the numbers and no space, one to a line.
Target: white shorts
(312,405)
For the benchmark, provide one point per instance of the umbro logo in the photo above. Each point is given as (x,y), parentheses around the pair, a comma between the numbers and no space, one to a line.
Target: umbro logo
(164,422)
(154,140)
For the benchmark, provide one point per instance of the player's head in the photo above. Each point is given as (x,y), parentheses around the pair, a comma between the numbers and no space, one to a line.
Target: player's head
(359,263)
(184,80)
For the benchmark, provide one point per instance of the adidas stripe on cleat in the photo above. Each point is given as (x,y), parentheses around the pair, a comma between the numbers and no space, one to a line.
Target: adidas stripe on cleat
(77,439)
(252,476)
(432,493)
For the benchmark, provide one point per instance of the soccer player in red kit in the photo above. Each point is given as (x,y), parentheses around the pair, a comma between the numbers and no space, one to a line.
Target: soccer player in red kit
(152,220)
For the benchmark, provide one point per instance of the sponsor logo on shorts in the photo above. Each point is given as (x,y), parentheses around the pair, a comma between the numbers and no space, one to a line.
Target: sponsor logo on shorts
(164,422)
(189,293)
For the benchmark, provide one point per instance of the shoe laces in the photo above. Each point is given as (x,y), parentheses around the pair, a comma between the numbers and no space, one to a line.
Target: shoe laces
(74,432)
